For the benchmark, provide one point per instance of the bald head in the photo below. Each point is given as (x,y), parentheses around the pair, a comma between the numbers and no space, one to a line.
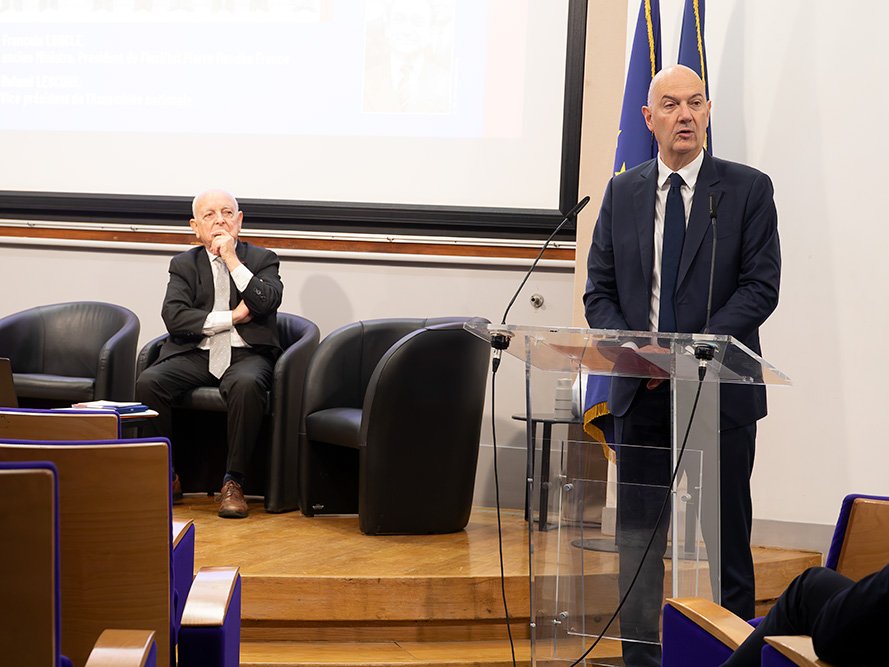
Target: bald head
(674,73)
(678,113)
(215,193)
(217,219)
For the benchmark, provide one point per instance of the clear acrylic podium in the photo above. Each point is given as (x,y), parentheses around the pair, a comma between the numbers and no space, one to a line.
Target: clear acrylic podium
(573,568)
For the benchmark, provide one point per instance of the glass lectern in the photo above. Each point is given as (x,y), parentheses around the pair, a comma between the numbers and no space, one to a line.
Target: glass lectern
(574,560)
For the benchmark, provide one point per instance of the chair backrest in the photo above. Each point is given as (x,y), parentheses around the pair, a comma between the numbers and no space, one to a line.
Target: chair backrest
(860,544)
(66,338)
(421,423)
(115,537)
(29,614)
(347,358)
(34,424)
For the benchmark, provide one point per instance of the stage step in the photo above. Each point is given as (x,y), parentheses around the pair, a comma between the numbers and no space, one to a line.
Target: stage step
(315,591)
(382,654)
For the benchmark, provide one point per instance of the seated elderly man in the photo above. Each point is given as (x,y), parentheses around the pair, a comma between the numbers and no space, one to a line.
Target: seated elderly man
(220,311)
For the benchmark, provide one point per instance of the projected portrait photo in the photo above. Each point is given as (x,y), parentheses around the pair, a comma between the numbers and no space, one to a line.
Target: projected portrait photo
(409,56)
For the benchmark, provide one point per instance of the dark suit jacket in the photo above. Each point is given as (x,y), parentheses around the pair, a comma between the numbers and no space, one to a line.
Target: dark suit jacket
(190,295)
(849,628)
(747,272)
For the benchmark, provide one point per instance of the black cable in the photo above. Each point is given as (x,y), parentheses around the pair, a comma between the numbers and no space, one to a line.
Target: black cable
(495,364)
(657,522)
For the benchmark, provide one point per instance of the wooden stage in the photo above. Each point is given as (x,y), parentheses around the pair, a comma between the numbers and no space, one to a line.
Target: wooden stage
(318,592)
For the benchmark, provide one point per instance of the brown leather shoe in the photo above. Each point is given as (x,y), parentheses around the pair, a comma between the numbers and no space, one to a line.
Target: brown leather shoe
(177,490)
(232,504)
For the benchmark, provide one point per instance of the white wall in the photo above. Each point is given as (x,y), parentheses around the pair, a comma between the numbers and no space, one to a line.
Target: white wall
(329,292)
(798,91)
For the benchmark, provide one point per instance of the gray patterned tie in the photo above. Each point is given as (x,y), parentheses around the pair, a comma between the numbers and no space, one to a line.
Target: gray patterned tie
(221,343)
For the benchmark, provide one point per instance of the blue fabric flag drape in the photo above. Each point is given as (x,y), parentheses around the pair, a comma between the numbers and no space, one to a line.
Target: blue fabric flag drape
(635,145)
(692,52)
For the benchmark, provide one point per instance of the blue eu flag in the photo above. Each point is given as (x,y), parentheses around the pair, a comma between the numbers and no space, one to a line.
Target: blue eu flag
(635,145)
(692,52)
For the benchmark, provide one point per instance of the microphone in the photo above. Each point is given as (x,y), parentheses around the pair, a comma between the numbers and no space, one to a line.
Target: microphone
(714,203)
(704,351)
(571,214)
(500,338)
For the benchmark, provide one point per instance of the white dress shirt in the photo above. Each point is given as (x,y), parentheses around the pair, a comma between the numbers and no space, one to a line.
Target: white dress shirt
(689,174)
(219,322)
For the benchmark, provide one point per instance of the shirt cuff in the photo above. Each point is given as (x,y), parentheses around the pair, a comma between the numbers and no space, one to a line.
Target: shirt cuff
(242,276)
(217,322)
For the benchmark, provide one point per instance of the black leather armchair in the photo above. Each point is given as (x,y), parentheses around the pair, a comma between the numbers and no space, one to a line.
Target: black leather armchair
(199,426)
(69,352)
(392,414)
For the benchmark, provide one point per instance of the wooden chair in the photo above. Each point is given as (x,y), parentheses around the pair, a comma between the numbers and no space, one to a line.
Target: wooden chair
(116,540)
(36,424)
(70,425)
(29,583)
(700,632)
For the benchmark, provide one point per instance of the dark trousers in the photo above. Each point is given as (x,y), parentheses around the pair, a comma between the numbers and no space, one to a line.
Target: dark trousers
(846,620)
(644,469)
(244,387)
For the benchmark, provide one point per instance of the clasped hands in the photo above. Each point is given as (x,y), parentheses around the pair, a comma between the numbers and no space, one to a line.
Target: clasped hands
(223,245)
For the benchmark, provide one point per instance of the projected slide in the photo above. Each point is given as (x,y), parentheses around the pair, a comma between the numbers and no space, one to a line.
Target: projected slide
(452,102)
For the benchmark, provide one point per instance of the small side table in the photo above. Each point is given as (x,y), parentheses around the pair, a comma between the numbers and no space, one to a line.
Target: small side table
(548,420)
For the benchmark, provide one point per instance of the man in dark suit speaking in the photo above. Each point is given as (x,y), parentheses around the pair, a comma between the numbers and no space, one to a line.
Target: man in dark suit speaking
(649,270)
(220,311)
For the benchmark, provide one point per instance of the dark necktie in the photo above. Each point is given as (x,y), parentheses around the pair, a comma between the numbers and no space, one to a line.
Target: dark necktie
(674,236)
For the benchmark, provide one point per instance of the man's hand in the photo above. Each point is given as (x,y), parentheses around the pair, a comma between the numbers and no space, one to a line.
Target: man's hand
(653,383)
(223,245)
(241,314)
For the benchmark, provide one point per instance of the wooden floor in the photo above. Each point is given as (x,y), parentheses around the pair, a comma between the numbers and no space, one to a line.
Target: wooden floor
(317,592)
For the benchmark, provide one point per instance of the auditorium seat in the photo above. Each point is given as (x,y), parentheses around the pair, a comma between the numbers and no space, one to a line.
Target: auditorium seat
(40,424)
(29,571)
(391,421)
(700,632)
(68,425)
(70,352)
(115,543)
(199,425)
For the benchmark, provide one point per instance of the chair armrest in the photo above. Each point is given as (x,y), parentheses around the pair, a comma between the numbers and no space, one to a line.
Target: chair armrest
(282,494)
(722,624)
(210,634)
(149,353)
(116,369)
(183,566)
(180,530)
(124,648)
(797,649)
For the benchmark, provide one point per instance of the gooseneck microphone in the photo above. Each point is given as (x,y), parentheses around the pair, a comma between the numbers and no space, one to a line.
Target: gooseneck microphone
(570,216)
(704,351)
(500,338)
(714,203)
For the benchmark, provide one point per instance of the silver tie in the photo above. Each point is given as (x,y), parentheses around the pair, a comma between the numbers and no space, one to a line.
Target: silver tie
(221,343)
